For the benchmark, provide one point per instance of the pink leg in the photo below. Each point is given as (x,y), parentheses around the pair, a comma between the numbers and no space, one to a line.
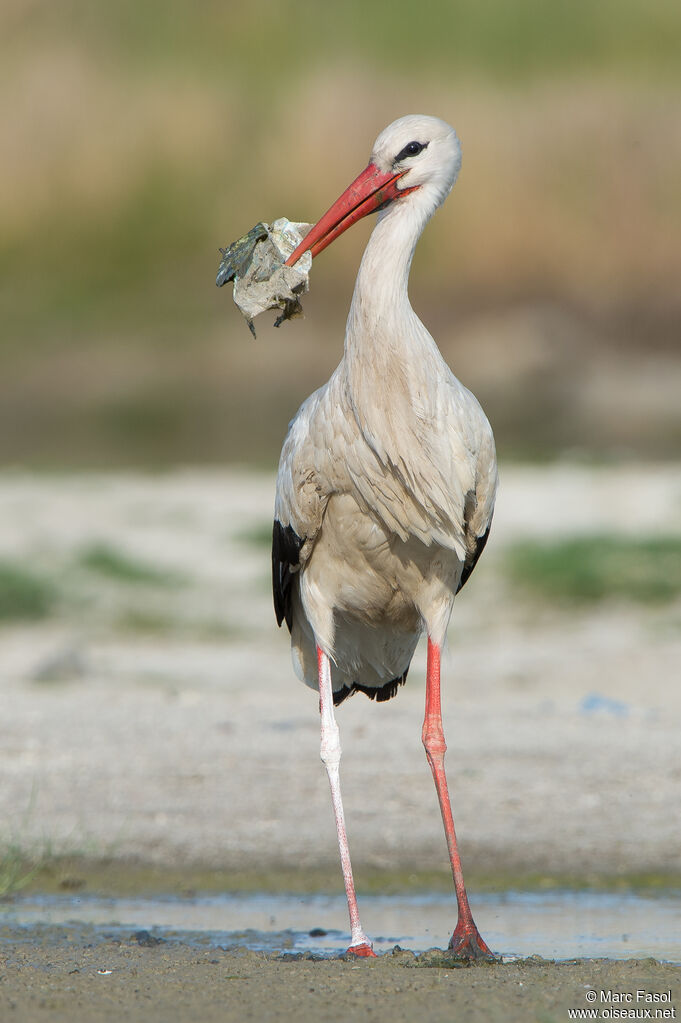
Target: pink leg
(331,754)
(466,941)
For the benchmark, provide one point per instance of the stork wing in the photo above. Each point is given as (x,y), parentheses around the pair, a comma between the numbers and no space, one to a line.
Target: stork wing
(286,545)
(472,559)
(299,507)
(479,507)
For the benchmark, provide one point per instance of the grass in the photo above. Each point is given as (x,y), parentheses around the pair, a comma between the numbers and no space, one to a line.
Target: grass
(594,568)
(148,622)
(23,595)
(258,535)
(133,878)
(107,561)
(17,869)
(139,137)
(509,41)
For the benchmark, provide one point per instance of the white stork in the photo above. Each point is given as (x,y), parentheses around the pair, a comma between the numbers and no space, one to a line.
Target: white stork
(386,483)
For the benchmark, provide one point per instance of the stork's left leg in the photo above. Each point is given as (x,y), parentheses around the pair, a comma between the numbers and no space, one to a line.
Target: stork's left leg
(466,941)
(331,754)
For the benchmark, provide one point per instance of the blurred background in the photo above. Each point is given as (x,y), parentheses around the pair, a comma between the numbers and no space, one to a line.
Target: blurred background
(137,138)
(135,606)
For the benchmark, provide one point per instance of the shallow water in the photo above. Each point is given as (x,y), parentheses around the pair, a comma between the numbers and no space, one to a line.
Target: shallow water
(554,925)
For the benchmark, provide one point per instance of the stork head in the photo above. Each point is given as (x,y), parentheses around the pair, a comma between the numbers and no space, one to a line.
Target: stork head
(424,151)
(416,153)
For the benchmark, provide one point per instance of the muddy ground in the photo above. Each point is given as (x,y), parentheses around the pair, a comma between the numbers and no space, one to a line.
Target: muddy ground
(63,975)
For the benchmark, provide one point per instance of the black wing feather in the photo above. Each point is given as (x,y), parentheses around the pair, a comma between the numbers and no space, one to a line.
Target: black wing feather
(378,693)
(472,560)
(286,546)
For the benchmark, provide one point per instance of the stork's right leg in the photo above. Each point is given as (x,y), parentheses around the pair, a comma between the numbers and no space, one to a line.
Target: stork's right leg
(466,941)
(331,754)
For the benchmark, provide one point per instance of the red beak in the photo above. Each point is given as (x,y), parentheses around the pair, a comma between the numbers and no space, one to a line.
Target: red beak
(370,190)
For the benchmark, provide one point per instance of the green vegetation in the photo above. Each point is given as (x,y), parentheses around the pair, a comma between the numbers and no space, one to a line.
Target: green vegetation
(146,622)
(506,41)
(23,595)
(149,622)
(105,560)
(129,878)
(17,870)
(139,137)
(594,568)
(259,535)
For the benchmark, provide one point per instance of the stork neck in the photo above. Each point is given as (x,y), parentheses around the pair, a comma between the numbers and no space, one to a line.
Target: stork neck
(390,361)
(380,309)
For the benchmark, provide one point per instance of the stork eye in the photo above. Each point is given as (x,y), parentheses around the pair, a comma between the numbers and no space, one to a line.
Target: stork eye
(411,149)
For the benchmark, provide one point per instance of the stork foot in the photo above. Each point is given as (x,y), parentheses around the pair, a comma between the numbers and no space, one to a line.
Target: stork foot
(363,951)
(466,943)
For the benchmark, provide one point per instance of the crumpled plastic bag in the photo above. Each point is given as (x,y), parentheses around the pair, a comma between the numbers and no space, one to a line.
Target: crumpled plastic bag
(256,264)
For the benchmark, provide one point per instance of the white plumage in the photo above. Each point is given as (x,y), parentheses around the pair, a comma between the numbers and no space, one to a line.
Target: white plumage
(386,481)
(388,472)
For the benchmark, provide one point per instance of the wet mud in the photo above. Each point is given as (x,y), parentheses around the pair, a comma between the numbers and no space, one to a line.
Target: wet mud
(77,973)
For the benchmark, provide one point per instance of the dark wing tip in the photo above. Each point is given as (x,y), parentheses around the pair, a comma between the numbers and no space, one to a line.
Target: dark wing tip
(286,546)
(472,559)
(378,693)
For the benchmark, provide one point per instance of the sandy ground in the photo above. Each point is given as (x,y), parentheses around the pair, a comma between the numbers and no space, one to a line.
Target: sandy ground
(165,723)
(161,724)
